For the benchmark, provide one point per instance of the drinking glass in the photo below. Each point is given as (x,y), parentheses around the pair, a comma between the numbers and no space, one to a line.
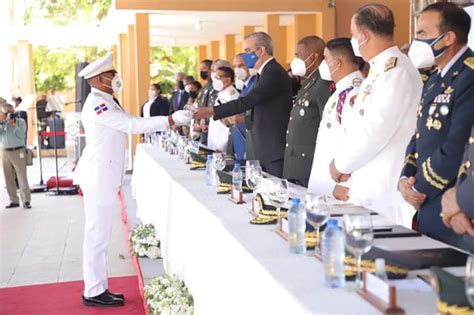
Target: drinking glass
(470,279)
(279,193)
(317,214)
(253,177)
(359,237)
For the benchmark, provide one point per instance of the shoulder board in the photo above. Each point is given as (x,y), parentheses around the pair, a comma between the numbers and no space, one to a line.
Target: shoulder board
(424,77)
(232,92)
(97,94)
(390,64)
(469,61)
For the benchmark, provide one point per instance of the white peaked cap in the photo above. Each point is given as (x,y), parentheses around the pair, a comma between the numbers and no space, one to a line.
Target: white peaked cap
(97,67)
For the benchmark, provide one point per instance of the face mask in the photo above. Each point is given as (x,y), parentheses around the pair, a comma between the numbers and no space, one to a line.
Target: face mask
(213,75)
(250,58)
(241,74)
(204,75)
(298,67)
(217,85)
(187,89)
(422,53)
(116,83)
(193,94)
(152,94)
(239,84)
(356,46)
(180,85)
(324,71)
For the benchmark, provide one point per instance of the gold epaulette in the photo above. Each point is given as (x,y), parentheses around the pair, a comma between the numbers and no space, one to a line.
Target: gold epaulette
(471,140)
(424,77)
(469,61)
(445,308)
(432,177)
(390,64)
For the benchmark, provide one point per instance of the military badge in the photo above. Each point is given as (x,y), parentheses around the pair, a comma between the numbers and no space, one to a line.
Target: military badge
(302,112)
(306,103)
(361,112)
(390,64)
(437,124)
(449,90)
(444,110)
(356,81)
(352,100)
(432,109)
(442,98)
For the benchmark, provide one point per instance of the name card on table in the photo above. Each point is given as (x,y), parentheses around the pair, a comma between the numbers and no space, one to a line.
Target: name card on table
(380,294)
(237,196)
(255,207)
(283,229)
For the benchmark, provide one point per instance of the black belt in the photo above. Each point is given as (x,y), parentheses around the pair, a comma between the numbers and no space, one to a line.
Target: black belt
(14,149)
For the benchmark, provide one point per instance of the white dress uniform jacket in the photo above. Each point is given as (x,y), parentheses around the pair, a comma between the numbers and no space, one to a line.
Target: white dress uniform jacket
(331,132)
(218,134)
(100,173)
(383,121)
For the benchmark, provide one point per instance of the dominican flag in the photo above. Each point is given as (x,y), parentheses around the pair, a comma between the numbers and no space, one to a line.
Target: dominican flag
(101,108)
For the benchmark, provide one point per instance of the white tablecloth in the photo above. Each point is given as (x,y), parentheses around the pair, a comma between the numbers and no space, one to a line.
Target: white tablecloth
(231,266)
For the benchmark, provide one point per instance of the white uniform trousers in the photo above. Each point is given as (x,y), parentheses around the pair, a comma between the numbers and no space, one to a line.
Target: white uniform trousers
(100,204)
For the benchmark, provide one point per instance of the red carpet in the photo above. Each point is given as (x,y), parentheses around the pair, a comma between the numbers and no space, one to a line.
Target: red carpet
(65,298)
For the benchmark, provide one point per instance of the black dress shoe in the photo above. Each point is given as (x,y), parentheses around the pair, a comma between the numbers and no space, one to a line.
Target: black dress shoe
(12,205)
(27,205)
(116,295)
(102,300)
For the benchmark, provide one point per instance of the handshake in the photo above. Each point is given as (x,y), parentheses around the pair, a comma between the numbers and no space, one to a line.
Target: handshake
(184,117)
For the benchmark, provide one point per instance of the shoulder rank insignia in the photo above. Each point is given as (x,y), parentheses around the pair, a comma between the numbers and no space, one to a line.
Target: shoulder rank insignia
(424,77)
(101,108)
(390,64)
(97,94)
(469,61)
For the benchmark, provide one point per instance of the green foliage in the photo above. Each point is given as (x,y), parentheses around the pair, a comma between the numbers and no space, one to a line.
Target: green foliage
(64,12)
(55,68)
(167,61)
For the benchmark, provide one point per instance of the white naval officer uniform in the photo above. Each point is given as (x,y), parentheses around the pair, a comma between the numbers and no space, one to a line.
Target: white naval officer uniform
(383,121)
(100,171)
(218,133)
(330,134)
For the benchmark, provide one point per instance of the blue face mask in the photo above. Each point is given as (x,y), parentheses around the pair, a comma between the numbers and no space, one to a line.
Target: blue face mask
(250,58)
(432,41)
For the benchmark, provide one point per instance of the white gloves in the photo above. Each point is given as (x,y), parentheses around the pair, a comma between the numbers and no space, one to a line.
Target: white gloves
(182,117)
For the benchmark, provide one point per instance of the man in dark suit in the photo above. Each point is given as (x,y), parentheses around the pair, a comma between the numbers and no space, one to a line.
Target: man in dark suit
(269,100)
(179,98)
(307,110)
(445,117)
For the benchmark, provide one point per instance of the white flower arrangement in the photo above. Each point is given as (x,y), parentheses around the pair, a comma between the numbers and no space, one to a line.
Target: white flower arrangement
(168,295)
(144,241)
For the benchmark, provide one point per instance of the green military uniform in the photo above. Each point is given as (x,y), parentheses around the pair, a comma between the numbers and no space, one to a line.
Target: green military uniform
(303,128)
(204,101)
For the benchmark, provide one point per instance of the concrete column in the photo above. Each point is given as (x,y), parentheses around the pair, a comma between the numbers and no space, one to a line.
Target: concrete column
(229,47)
(276,32)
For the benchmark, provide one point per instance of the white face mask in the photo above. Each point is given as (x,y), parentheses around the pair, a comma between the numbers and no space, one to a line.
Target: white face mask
(213,75)
(324,71)
(117,83)
(187,88)
(240,74)
(298,67)
(356,46)
(239,84)
(217,85)
(421,54)
(152,94)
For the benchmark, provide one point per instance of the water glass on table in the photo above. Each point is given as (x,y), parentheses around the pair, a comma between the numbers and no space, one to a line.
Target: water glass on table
(359,237)
(253,176)
(278,193)
(317,214)
(470,279)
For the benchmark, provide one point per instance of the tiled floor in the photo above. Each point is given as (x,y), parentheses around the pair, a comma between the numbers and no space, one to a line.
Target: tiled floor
(44,244)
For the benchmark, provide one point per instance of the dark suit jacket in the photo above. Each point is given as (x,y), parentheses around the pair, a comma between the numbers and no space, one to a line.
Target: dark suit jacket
(160,107)
(177,103)
(24,115)
(435,152)
(270,101)
(465,183)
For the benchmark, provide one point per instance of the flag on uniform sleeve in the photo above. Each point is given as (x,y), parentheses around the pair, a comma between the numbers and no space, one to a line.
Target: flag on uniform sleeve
(101,108)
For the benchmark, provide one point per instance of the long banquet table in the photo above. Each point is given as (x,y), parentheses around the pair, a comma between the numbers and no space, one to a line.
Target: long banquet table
(233,267)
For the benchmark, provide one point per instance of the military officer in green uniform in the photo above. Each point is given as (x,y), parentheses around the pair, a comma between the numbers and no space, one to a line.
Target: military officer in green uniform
(307,110)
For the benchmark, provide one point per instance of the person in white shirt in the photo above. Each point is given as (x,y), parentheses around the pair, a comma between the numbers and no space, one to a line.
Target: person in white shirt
(373,149)
(341,66)
(223,83)
(101,168)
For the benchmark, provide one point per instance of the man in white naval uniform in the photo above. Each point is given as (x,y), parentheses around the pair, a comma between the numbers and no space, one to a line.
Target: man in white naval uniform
(218,134)
(341,66)
(101,168)
(384,117)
